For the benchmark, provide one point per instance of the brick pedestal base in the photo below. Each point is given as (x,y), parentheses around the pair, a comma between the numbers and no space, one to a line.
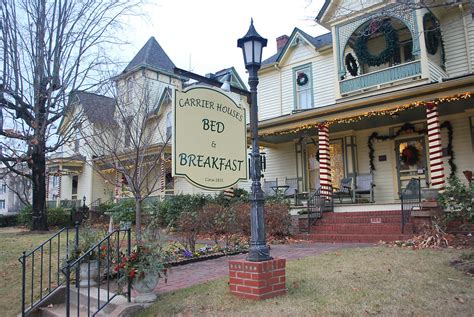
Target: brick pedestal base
(257,280)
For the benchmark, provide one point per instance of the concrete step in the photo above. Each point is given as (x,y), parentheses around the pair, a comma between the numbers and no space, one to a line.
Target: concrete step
(117,307)
(354,238)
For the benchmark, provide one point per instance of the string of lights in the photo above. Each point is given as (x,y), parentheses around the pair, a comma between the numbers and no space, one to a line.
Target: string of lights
(389,111)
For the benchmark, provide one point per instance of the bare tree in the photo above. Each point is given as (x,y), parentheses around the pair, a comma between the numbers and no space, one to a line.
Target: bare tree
(48,48)
(135,144)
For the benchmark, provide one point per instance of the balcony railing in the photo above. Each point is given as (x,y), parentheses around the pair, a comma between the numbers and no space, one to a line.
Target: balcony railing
(380,77)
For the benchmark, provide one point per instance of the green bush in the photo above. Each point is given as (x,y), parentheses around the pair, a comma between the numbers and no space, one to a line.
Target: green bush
(458,200)
(56,217)
(169,210)
(8,220)
(122,211)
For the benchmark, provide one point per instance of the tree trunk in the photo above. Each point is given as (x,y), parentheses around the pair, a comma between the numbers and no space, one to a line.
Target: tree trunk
(138,218)
(38,170)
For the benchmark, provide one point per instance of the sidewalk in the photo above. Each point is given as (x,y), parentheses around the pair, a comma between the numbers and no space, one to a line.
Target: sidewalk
(195,273)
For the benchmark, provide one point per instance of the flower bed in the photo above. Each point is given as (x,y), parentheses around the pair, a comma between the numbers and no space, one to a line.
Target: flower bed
(181,256)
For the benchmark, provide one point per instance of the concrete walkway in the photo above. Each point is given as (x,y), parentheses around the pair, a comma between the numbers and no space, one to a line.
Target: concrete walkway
(196,273)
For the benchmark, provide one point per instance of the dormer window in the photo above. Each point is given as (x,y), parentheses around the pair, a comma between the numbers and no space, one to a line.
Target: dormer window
(303,87)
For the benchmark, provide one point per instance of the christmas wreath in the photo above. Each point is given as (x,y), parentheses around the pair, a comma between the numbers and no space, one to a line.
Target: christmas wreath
(391,40)
(410,155)
(351,65)
(432,33)
(302,79)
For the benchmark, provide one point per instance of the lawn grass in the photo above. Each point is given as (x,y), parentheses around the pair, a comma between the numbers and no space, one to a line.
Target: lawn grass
(12,244)
(371,281)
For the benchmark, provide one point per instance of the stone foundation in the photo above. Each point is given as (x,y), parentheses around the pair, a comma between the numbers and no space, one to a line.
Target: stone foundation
(257,280)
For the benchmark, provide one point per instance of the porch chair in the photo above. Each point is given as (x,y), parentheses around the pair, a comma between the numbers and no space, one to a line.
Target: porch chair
(364,186)
(345,189)
(292,190)
(267,187)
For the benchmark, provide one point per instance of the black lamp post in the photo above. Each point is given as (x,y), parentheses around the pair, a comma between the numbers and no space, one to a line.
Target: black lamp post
(252,44)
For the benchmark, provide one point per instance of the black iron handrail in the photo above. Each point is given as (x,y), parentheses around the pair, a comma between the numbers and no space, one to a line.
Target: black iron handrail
(52,251)
(410,199)
(108,257)
(322,200)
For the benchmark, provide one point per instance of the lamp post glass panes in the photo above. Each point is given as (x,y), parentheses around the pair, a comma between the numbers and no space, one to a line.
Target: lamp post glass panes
(252,44)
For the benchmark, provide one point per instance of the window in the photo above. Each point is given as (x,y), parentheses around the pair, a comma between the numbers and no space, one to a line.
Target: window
(303,88)
(4,188)
(2,204)
(169,125)
(55,181)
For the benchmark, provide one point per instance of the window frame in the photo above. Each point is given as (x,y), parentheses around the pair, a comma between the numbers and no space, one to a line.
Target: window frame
(308,69)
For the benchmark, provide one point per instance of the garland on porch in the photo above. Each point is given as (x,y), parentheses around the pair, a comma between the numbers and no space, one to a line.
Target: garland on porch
(391,41)
(410,127)
(383,112)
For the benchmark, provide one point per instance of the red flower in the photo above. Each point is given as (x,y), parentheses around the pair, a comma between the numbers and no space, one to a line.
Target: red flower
(132,273)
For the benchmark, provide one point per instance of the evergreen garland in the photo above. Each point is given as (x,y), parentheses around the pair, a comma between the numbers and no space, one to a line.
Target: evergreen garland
(432,33)
(351,65)
(411,127)
(391,40)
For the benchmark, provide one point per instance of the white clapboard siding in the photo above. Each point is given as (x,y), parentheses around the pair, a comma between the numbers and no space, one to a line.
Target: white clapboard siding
(462,144)
(454,45)
(269,105)
(287,93)
(299,53)
(384,174)
(324,81)
(281,162)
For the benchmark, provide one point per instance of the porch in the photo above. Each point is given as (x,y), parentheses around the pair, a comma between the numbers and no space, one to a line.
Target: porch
(369,155)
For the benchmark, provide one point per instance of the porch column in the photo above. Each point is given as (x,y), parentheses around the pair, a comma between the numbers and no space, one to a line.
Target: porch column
(47,185)
(60,180)
(324,158)
(435,149)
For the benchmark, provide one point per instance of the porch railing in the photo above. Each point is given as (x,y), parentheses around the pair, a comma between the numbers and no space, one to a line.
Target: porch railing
(410,199)
(41,268)
(379,77)
(104,254)
(320,201)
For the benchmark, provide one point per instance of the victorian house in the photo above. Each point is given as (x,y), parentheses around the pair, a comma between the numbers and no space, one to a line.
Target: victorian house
(111,130)
(383,98)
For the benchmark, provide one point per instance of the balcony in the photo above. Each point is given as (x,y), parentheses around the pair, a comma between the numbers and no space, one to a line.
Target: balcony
(381,77)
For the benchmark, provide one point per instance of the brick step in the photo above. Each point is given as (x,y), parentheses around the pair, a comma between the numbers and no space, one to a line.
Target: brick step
(360,229)
(358,220)
(363,214)
(351,238)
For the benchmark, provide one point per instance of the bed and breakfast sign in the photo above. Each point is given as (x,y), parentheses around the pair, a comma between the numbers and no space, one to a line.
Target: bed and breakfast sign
(209,138)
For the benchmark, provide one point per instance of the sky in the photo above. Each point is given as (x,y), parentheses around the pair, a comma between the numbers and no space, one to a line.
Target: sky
(201,35)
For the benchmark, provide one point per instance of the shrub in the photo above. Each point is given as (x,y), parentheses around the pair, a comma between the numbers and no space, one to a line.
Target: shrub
(122,211)
(8,220)
(242,217)
(457,200)
(277,219)
(170,209)
(218,220)
(56,217)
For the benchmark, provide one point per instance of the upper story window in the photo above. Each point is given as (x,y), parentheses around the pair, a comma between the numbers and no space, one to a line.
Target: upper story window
(303,87)
(4,188)
(378,44)
(2,204)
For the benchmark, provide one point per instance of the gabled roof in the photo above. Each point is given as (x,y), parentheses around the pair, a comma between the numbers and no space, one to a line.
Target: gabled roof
(151,56)
(98,109)
(235,79)
(323,10)
(318,42)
